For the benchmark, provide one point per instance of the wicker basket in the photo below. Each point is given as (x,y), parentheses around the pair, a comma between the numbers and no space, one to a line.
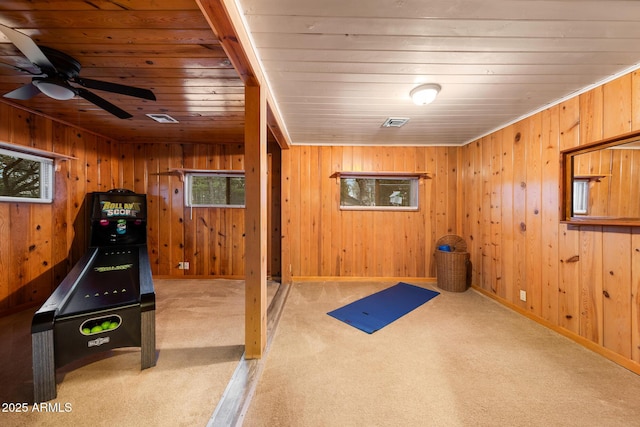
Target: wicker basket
(451,267)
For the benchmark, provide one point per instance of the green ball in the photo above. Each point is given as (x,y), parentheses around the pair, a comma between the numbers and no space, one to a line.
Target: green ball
(113,325)
(96,329)
(86,331)
(105,324)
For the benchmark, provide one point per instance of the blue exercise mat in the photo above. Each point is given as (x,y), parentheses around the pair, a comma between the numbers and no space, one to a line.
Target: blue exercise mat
(376,311)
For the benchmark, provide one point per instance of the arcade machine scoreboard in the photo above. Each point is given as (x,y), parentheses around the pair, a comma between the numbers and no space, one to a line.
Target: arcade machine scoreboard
(106,301)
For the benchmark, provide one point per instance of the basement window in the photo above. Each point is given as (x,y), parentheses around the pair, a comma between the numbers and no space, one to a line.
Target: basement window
(214,189)
(372,192)
(25,177)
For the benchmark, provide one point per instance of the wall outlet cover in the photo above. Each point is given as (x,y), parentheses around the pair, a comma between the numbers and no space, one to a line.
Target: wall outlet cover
(523,295)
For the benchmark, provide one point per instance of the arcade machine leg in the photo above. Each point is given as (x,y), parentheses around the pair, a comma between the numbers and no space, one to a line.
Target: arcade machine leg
(44,370)
(148,338)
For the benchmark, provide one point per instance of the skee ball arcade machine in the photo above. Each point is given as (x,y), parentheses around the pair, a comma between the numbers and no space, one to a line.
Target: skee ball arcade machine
(106,301)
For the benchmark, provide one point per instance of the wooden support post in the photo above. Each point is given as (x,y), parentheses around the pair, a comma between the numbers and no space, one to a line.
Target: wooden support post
(255,159)
(285,212)
(225,19)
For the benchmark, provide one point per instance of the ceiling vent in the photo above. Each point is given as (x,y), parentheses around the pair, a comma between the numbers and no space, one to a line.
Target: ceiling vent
(394,122)
(162,118)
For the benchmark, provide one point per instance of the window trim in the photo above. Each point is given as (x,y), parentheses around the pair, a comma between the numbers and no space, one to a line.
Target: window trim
(412,176)
(186,175)
(47,175)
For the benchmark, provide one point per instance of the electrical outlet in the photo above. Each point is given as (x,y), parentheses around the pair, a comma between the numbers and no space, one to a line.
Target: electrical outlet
(523,295)
(184,265)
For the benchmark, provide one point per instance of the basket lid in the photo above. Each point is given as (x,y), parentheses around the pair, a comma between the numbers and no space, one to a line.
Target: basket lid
(456,242)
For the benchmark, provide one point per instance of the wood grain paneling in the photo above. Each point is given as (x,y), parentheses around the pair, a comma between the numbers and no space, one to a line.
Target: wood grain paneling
(40,242)
(325,60)
(591,276)
(323,240)
(165,45)
(609,193)
(519,226)
(583,280)
(506,185)
(616,289)
(549,214)
(495,198)
(210,239)
(635,295)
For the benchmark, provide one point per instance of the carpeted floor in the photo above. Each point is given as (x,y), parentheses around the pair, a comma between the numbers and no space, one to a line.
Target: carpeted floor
(461,359)
(200,339)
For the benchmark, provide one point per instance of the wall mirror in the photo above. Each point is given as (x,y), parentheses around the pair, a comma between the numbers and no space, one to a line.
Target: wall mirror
(601,182)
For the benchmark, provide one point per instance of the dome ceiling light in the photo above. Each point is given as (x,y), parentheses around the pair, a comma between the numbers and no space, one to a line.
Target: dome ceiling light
(425,94)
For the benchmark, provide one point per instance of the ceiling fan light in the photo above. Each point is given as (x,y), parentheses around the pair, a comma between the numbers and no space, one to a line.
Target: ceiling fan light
(425,94)
(54,90)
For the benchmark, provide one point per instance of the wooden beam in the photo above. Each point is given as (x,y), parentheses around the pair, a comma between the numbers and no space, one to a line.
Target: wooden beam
(255,159)
(273,121)
(226,22)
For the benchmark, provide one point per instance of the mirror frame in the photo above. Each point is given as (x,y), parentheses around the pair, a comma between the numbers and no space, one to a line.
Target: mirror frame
(566,183)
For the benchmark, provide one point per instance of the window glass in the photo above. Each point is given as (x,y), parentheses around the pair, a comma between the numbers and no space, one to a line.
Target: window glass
(25,177)
(214,189)
(580,196)
(367,192)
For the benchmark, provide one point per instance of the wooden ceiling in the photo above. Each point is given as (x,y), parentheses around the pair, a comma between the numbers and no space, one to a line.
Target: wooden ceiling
(336,68)
(339,68)
(163,45)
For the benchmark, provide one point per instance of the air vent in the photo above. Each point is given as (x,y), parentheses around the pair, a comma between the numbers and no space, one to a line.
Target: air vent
(162,118)
(394,122)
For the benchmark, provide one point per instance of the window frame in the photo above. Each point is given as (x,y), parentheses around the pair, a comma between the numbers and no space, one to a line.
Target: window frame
(46,174)
(414,179)
(228,174)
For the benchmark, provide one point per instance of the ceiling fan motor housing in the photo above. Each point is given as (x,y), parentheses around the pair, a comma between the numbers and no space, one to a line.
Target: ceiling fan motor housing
(66,66)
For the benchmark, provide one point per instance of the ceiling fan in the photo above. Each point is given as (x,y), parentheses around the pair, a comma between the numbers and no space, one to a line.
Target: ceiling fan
(58,70)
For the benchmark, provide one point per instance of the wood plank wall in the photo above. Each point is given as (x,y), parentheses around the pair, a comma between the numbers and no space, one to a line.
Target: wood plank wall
(583,280)
(500,193)
(609,194)
(322,240)
(39,243)
(210,239)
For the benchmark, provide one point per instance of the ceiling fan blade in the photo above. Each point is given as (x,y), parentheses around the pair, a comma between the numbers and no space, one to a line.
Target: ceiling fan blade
(22,70)
(116,88)
(28,47)
(23,93)
(103,103)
